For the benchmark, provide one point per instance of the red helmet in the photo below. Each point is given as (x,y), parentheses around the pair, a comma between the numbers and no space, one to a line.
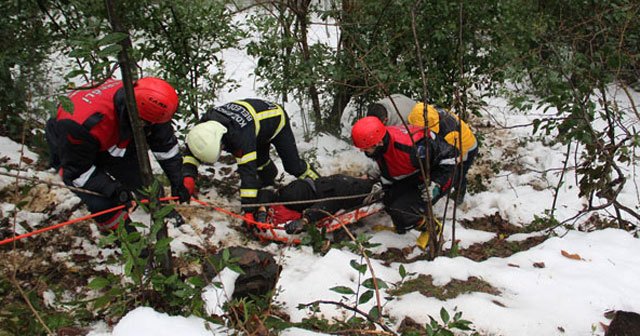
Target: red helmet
(157,100)
(367,132)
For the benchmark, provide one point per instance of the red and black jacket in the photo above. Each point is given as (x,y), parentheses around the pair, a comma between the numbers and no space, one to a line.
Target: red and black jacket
(400,158)
(98,131)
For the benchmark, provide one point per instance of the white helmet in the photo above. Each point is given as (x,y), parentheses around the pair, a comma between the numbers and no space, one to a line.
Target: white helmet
(204,140)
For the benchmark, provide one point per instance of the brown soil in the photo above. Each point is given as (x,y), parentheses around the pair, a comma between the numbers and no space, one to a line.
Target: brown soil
(492,223)
(499,248)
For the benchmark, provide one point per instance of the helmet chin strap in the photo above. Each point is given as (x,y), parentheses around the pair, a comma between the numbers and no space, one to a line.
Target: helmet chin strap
(376,153)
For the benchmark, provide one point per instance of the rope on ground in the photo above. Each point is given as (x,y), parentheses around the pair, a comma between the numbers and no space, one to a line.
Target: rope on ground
(73,221)
(259,225)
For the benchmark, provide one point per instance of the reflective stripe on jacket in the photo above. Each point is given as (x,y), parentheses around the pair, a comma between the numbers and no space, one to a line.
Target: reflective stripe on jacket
(251,124)
(99,131)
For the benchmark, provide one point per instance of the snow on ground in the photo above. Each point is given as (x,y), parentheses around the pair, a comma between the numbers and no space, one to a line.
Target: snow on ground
(568,293)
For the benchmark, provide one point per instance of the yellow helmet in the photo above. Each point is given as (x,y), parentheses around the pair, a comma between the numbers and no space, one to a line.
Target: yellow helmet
(204,141)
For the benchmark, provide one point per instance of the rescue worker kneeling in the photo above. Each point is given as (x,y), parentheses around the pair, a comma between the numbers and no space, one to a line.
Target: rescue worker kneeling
(398,152)
(439,120)
(455,132)
(247,129)
(93,146)
(305,200)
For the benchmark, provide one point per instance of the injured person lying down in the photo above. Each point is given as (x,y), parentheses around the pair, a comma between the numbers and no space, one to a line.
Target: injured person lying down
(307,201)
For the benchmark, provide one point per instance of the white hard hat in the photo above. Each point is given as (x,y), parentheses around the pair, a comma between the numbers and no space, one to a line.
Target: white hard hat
(204,140)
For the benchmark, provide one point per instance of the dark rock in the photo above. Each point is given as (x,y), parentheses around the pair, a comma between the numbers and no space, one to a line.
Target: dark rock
(624,324)
(260,269)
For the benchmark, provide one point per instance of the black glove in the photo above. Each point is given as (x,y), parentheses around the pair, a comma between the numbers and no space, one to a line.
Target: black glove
(124,197)
(260,215)
(296,226)
(180,191)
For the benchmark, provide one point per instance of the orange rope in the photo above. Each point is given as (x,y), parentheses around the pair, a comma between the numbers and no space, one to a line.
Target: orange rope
(264,227)
(73,221)
(246,218)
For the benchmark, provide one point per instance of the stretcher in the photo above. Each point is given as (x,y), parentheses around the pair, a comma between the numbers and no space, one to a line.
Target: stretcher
(276,231)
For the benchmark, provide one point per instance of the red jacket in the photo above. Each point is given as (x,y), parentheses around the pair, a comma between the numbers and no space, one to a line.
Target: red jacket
(397,158)
(99,131)
(95,110)
(400,158)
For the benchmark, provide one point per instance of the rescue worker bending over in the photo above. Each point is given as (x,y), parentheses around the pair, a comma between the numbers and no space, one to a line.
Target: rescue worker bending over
(93,147)
(392,110)
(453,130)
(393,149)
(247,129)
(302,213)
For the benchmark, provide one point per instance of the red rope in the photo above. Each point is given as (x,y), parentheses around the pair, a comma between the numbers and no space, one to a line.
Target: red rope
(73,221)
(264,227)
(248,219)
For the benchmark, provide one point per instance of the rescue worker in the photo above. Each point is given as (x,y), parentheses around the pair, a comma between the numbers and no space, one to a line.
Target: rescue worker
(93,148)
(392,110)
(398,152)
(454,131)
(300,214)
(247,129)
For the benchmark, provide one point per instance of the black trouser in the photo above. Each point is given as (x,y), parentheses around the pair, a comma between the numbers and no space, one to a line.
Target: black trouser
(338,186)
(125,170)
(285,144)
(466,165)
(51,134)
(403,202)
(325,187)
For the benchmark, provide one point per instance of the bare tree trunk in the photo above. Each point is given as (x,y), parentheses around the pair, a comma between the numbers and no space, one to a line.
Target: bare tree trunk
(140,140)
(343,93)
(301,9)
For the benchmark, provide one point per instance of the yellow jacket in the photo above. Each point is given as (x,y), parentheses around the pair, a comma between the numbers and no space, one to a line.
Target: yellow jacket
(446,124)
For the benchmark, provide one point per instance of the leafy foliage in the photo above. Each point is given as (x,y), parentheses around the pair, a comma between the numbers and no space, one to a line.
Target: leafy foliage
(184,40)
(376,53)
(287,60)
(145,283)
(446,328)
(24,49)
(573,59)
(17,318)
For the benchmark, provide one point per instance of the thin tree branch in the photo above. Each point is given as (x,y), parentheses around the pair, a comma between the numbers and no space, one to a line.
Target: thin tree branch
(356,310)
(564,169)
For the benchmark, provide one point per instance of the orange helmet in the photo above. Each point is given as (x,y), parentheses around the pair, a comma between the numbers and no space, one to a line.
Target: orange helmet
(157,100)
(367,132)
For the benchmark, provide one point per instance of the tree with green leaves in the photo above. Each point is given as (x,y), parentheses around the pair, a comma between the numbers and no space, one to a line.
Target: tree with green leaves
(25,46)
(376,53)
(574,57)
